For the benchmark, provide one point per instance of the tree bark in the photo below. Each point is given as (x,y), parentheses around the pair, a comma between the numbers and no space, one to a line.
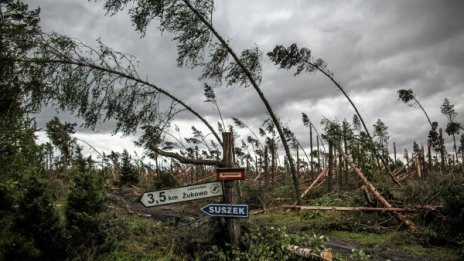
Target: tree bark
(230,192)
(330,168)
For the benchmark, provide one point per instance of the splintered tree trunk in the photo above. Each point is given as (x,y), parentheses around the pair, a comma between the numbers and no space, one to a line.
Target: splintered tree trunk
(394,152)
(230,191)
(376,194)
(314,183)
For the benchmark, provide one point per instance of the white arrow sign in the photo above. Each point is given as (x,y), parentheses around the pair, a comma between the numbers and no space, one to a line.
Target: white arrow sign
(180,194)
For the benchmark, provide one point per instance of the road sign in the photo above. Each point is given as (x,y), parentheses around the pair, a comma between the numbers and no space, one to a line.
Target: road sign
(230,174)
(226,210)
(180,194)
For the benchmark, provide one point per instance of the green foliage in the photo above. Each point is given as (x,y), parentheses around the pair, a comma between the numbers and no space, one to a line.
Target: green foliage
(268,243)
(129,174)
(257,196)
(86,221)
(406,95)
(453,209)
(381,133)
(293,56)
(59,135)
(359,255)
(27,217)
(446,191)
(333,131)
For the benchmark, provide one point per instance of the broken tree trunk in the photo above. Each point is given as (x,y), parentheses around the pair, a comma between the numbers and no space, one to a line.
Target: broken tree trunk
(367,209)
(325,255)
(376,194)
(313,184)
(397,172)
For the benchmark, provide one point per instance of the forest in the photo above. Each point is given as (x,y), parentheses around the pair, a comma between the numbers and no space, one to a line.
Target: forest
(231,192)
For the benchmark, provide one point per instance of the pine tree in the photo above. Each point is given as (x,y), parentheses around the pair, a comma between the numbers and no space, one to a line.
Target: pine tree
(129,174)
(85,217)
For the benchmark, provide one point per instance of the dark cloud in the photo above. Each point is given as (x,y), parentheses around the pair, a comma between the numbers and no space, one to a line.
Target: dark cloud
(374,48)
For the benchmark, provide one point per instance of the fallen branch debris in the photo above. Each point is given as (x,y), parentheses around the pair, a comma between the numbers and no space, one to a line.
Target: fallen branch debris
(374,191)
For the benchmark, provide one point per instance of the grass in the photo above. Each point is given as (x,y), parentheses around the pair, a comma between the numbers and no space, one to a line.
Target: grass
(431,253)
(363,238)
(149,239)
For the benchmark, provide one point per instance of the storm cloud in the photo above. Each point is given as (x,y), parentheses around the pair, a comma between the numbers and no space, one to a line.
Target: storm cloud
(374,48)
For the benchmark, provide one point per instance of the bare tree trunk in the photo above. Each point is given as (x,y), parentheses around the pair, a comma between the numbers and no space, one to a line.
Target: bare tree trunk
(429,155)
(266,167)
(318,156)
(330,169)
(345,145)
(297,161)
(340,172)
(273,162)
(442,151)
(311,147)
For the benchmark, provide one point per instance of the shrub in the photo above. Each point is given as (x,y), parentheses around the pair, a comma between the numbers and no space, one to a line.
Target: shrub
(27,217)
(268,243)
(86,221)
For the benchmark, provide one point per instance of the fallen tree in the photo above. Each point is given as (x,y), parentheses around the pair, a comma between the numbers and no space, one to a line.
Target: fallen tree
(367,209)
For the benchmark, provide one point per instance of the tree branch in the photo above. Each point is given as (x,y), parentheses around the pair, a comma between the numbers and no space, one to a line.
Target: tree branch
(185,160)
(126,76)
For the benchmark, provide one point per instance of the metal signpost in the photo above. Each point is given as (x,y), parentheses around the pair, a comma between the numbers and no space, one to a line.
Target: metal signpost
(180,194)
(226,210)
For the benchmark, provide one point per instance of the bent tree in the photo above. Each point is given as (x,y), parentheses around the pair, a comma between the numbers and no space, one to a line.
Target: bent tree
(200,45)
(452,127)
(99,84)
(302,59)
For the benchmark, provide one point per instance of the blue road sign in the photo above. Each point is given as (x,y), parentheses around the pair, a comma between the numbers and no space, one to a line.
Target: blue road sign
(226,210)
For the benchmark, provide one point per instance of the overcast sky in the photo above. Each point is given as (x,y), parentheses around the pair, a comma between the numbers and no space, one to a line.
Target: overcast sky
(374,49)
